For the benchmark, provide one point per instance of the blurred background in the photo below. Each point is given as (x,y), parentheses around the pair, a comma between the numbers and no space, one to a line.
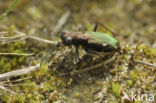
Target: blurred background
(133,20)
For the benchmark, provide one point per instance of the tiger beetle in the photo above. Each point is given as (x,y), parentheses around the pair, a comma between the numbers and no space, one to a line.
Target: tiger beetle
(92,42)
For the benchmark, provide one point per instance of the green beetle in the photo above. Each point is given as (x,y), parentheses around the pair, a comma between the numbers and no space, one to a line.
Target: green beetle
(92,42)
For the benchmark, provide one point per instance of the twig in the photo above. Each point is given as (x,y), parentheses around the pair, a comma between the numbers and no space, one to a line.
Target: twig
(37,38)
(2,92)
(101,98)
(17,54)
(43,40)
(144,63)
(17,80)
(16,40)
(12,37)
(5,89)
(10,85)
(61,21)
(20,34)
(3,32)
(19,72)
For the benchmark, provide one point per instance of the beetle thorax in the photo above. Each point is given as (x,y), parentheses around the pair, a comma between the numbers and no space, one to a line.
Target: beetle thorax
(71,38)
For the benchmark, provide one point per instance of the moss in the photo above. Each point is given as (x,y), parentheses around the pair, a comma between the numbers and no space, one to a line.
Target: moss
(148,51)
(143,74)
(134,76)
(29,96)
(14,61)
(2,61)
(21,59)
(116,89)
(19,99)
(148,86)
(7,66)
(6,98)
(130,83)
(128,48)
(43,72)
(29,88)
(48,86)
(121,68)
(139,47)
(41,96)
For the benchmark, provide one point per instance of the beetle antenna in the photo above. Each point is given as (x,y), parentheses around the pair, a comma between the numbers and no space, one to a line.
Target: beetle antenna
(58,44)
(95,28)
(42,59)
(104,27)
(59,34)
(80,28)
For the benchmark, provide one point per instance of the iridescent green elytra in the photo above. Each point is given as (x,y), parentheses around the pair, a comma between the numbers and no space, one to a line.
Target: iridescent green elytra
(102,38)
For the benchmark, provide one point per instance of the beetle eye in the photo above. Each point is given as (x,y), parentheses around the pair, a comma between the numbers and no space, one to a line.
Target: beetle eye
(68,39)
(63,32)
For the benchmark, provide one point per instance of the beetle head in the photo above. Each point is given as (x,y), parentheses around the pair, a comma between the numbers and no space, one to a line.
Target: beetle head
(66,38)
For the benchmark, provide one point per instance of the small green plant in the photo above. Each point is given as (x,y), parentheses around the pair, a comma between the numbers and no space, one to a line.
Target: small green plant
(8,10)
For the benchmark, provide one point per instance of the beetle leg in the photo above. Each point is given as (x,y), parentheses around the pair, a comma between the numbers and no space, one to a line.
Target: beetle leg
(95,27)
(80,28)
(93,67)
(103,64)
(48,52)
(77,54)
(99,54)
(91,51)
(56,48)
(95,52)
(84,58)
